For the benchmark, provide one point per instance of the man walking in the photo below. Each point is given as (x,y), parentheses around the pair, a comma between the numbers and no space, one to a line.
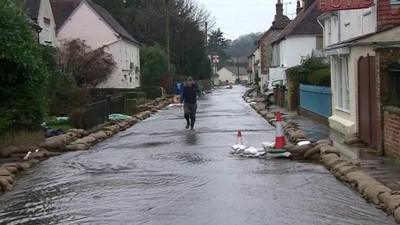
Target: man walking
(189,100)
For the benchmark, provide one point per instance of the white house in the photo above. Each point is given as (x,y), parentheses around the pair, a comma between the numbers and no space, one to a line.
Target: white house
(341,29)
(94,25)
(39,11)
(229,74)
(296,42)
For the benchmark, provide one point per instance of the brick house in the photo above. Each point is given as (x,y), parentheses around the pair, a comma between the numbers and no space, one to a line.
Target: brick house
(366,73)
(264,43)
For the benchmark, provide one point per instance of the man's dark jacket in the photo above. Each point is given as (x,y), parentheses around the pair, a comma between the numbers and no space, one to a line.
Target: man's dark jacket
(189,94)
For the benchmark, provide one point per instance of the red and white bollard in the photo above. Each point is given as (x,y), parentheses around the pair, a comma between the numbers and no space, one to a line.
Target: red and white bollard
(280,141)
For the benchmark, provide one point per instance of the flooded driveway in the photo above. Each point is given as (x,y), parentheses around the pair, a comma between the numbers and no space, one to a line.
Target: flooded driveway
(158,173)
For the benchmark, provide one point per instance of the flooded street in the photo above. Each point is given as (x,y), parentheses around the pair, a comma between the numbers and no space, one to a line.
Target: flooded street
(158,173)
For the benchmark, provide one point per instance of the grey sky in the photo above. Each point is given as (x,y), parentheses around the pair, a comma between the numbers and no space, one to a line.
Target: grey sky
(238,17)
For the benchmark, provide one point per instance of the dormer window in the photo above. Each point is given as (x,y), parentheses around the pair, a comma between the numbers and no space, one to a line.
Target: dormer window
(46,21)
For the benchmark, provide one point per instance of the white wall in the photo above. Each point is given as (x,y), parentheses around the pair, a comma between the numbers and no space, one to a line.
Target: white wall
(349,24)
(48,34)
(346,122)
(295,48)
(123,76)
(85,24)
(226,75)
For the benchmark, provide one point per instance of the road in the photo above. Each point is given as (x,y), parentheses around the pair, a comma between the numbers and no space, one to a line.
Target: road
(158,173)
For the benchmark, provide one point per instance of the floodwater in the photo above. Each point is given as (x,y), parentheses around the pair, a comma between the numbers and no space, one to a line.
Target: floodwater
(158,173)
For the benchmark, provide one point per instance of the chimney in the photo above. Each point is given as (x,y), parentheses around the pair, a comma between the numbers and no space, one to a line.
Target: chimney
(279,9)
(298,8)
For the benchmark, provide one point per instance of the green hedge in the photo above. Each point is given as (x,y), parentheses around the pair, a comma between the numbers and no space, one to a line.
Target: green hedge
(313,71)
(152,92)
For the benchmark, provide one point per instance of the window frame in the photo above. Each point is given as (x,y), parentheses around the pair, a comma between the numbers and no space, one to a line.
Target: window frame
(342,83)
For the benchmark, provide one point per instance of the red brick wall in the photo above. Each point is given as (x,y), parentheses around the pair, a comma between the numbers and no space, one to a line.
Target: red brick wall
(388,15)
(392,132)
(387,134)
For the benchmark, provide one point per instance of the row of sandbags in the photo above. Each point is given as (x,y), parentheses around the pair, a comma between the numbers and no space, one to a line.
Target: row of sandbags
(73,140)
(344,170)
(8,171)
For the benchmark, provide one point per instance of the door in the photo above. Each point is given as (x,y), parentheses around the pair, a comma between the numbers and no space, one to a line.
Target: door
(367,110)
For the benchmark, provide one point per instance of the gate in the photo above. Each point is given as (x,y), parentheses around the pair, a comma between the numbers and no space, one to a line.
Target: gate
(367,106)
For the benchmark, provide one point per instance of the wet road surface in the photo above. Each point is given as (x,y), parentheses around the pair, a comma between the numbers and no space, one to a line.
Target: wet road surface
(158,173)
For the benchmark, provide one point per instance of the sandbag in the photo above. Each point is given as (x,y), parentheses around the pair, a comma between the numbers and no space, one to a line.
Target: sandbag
(4,172)
(330,163)
(347,169)
(372,192)
(313,150)
(336,166)
(101,135)
(364,183)
(33,162)
(354,176)
(329,150)
(6,183)
(11,165)
(391,203)
(24,165)
(77,147)
(396,215)
(325,141)
(6,152)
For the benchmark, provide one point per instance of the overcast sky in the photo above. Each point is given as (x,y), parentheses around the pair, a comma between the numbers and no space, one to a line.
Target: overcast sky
(238,17)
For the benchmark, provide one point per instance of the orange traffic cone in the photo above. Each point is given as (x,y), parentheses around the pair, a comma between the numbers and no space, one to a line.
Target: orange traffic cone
(280,141)
(239,140)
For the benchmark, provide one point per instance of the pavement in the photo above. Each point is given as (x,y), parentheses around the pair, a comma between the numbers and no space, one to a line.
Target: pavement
(159,173)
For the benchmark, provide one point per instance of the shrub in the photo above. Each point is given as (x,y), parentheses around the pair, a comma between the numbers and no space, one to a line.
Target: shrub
(89,67)
(23,74)
(313,71)
(153,65)
(152,92)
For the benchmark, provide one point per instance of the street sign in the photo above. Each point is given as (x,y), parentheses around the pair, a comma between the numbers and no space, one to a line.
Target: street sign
(334,5)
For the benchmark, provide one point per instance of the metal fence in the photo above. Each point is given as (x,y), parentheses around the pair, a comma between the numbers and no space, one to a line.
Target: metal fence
(98,112)
(316,99)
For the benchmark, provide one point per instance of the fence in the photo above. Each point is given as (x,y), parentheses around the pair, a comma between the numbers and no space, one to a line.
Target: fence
(97,113)
(316,99)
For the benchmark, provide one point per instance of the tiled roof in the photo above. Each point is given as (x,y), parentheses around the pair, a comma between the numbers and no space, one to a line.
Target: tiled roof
(112,22)
(32,8)
(62,9)
(305,23)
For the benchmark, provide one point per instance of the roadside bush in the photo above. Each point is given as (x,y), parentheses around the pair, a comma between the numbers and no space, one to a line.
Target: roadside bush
(23,75)
(152,92)
(313,71)
(153,65)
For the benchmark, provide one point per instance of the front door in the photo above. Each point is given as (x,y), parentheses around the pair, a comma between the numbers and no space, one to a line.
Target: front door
(367,100)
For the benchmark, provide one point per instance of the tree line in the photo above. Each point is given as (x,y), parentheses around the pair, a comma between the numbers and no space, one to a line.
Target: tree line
(146,20)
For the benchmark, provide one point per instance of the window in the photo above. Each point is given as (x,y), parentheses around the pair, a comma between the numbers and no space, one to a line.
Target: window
(46,21)
(394,85)
(131,66)
(342,83)
(395,2)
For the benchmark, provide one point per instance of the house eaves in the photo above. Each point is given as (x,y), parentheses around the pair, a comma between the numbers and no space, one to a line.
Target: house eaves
(306,23)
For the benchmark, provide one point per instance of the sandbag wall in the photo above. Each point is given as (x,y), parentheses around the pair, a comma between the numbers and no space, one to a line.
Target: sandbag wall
(73,140)
(344,170)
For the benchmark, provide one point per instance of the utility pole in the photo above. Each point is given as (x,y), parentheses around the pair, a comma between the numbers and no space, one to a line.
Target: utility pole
(206,36)
(167,32)
(238,68)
